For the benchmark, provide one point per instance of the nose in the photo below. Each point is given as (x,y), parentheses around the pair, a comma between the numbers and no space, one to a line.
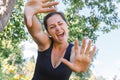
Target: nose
(58,27)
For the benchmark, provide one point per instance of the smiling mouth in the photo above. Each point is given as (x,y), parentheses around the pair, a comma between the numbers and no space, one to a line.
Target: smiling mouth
(60,35)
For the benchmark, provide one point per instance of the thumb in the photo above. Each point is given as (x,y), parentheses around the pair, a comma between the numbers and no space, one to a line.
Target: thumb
(29,20)
(67,63)
(28,14)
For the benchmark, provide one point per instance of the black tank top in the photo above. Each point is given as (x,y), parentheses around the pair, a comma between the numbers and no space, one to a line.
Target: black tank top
(44,69)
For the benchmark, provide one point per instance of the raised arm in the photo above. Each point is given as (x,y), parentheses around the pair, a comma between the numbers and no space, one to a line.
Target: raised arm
(34,27)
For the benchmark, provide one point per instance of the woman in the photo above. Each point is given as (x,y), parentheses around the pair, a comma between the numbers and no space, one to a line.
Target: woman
(57,58)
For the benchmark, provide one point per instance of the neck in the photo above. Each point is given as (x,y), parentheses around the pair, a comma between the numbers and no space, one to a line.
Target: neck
(60,46)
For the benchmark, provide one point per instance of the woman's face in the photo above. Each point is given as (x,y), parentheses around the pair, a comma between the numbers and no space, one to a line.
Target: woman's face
(57,28)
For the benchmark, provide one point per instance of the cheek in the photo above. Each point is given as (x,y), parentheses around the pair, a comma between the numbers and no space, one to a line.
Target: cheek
(66,28)
(51,32)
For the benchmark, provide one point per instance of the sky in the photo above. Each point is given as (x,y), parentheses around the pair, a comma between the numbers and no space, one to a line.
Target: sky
(107,62)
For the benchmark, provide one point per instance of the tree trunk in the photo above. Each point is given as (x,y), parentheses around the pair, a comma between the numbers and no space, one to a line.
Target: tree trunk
(6,7)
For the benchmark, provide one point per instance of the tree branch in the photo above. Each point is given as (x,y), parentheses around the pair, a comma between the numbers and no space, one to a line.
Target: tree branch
(5,12)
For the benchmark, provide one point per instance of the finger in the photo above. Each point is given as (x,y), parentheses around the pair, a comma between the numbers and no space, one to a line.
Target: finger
(31,2)
(88,47)
(49,4)
(28,20)
(76,44)
(46,10)
(45,1)
(83,46)
(93,52)
(67,63)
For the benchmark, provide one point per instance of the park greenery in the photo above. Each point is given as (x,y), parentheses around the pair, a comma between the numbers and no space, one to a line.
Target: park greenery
(99,16)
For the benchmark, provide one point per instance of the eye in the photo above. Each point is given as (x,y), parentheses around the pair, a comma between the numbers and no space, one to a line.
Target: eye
(60,23)
(52,26)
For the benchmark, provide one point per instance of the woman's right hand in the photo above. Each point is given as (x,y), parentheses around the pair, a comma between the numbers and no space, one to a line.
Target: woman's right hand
(33,7)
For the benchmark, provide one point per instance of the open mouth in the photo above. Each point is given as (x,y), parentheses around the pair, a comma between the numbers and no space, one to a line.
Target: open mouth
(60,35)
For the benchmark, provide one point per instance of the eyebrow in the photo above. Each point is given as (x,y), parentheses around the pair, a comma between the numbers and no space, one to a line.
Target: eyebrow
(57,22)
(50,25)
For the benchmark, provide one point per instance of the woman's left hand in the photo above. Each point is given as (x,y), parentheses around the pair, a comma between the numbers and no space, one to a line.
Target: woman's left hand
(82,56)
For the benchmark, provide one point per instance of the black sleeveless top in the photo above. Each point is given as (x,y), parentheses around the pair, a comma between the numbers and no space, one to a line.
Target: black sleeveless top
(44,69)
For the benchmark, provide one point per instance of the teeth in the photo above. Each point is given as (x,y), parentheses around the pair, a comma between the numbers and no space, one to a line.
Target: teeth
(60,33)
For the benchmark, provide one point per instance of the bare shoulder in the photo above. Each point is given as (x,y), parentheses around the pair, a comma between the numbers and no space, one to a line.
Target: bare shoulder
(44,42)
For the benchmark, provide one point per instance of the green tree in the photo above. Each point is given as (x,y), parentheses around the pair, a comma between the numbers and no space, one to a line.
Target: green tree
(98,15)
(13,33)
(10,38)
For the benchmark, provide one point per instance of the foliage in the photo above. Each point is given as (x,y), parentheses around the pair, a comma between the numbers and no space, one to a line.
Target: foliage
(13,34)
(10,38)
(98,15)
(15,71)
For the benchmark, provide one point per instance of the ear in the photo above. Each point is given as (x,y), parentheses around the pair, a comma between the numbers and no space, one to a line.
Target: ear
(48,34)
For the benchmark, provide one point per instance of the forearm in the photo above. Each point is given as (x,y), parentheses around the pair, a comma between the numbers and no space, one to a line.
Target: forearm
(36,26)
(39,36)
